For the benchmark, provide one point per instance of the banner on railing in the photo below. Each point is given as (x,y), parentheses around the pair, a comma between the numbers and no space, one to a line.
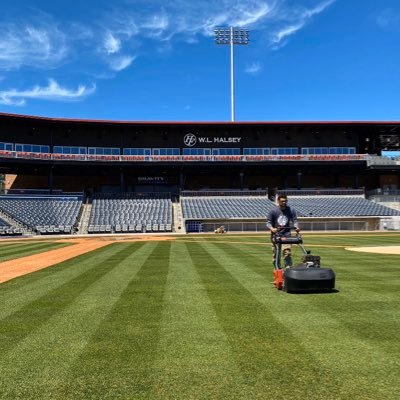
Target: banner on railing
(182,158)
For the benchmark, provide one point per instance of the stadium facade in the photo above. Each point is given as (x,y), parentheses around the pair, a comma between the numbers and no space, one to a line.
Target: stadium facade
(93,156)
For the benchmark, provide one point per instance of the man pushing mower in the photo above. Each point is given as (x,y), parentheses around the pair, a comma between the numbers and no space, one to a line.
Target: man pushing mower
(308,276)
(281,218)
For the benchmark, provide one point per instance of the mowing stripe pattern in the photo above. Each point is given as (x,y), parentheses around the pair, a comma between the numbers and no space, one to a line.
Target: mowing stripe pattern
(21,249)
(199,320)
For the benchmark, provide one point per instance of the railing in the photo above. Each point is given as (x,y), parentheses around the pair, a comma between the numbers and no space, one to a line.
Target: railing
(384,192)
(222,192)
(322,192)
(379,160)
(181,158)
(133,195)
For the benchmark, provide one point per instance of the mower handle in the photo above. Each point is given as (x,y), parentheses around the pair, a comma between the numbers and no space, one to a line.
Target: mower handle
(277,236)
(281,229)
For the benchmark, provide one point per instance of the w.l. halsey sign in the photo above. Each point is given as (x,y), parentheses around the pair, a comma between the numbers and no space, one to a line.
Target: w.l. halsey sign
(190,139)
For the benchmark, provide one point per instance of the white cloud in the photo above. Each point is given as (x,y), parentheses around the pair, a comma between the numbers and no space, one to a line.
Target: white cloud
(284,32)
(389,20)
(155,25)
(40,46)
(186,21)
(115,36)
(247,16)
(253,68)
(53,91)
(293,20)
(120,63)
(111,43)
(319,8)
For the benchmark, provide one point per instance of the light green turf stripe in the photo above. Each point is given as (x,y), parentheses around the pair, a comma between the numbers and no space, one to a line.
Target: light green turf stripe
(321,333)
(194,358)
(270,357)
(14,295)
(54,347)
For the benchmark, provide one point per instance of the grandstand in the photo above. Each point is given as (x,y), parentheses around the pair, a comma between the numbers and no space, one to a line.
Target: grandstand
(129,214)
(225,207)
(42,214)
(344,212)
(206,173)
(326,206)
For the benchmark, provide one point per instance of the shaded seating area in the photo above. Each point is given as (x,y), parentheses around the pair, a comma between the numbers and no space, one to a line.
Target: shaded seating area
(128,214)
(257,208)
(45,214)
(7,230)
(336,206)
(225,207)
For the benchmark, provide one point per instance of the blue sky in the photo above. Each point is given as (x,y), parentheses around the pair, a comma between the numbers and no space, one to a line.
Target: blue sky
(155,60)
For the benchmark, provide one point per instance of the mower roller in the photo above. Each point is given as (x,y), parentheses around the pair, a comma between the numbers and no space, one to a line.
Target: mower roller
(308,276)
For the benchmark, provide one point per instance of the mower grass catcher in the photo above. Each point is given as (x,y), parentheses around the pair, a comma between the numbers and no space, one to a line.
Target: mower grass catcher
(308,276)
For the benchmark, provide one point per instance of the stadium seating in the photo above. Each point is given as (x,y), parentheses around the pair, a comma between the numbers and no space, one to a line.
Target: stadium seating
(306,206)
(225,207)
(322,206)
(127,214)
(44,215)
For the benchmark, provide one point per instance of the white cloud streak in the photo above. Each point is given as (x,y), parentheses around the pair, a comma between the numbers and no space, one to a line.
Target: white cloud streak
(53,91)
(39,46)
(111,43)
(389,20)
(253,68)
(182,20)
(296,20)
(121,63)
(113,40)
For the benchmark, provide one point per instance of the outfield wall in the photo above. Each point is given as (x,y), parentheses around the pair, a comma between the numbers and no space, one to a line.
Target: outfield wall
(307,224)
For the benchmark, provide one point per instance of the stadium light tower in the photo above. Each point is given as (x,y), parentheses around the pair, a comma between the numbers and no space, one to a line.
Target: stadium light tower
(232,36)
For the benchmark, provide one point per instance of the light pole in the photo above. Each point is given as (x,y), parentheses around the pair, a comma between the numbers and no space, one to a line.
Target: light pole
(232,36)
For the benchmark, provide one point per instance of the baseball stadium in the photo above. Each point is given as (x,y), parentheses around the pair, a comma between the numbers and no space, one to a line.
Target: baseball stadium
(150,248)
(115,284)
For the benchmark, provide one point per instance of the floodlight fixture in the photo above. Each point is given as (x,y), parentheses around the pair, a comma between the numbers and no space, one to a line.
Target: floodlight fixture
(232,36)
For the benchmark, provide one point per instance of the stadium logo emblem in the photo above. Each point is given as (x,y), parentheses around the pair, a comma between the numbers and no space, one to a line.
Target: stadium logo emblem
(190,140)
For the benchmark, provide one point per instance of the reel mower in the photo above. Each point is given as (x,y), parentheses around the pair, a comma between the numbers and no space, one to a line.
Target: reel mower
(308,276)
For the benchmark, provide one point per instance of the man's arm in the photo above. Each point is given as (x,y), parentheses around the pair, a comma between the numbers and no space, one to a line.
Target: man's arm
(295,221)
(270,221)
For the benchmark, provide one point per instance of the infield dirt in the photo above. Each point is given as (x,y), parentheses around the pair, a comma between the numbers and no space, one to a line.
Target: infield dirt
(25,265)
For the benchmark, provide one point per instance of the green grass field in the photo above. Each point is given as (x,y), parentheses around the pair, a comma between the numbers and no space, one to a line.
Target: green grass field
(198,318)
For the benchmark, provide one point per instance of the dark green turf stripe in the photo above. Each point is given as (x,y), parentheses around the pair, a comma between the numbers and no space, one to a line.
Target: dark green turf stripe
(25,250)
(29,318)
(118,361)
(32,285)
(263,347)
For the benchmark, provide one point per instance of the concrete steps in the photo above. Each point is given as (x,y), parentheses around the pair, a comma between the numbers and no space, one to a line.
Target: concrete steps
(84,220)
(178,223)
